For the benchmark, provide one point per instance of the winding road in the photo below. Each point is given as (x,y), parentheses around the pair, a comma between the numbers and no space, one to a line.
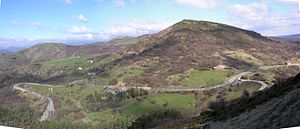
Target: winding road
(231,81)
(49,111)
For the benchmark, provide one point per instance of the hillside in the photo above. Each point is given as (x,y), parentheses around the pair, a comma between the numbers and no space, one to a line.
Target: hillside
(124,40)
(49,51)
(173,57)
(11,49)
(277,107)
(201,45)
(292,36)
(293,41)
(176,63)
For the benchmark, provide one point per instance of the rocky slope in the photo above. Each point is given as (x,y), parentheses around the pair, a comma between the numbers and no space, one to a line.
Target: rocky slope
(277,113)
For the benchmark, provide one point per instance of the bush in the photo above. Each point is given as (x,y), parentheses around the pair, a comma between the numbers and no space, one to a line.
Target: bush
(113,81)
(154,118)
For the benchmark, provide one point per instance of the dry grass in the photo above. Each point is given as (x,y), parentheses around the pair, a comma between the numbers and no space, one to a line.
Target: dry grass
(241,55)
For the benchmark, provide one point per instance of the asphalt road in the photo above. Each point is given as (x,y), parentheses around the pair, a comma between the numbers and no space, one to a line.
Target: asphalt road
(49,111)
(232,81)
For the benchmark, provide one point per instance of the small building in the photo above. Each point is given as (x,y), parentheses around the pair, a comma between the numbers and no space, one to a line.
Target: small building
(91,74)
(220,67)
(91,61)
(291,63)
(50,89)
(79,68)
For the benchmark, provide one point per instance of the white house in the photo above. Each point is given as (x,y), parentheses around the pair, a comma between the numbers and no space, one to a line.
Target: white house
(220,67)
(91,74)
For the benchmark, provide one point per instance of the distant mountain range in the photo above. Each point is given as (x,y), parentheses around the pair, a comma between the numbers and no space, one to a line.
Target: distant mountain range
(11,49)
(293,39)
(290,36)
(13,57)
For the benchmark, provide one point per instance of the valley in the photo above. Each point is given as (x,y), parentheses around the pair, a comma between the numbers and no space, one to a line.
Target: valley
(149,64)
(152,81)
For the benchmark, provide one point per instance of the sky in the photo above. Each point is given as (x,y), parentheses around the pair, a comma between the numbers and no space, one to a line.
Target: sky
(27,22)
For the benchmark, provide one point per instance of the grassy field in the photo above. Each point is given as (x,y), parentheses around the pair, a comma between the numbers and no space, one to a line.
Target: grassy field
(237,91)
(125,41)
(122,73)
(76,92)
(70,61)
(241,55)
(158,102)
(197,79)
(71,99)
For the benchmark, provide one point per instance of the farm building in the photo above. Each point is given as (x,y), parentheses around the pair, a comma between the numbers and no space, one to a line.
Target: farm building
(220,67)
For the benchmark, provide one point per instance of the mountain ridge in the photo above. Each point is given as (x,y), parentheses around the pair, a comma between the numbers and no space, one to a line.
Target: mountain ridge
(193,44)
(47,51)
(289,36)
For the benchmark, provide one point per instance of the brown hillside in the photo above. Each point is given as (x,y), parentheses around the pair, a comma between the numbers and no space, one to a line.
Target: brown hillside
(202,45)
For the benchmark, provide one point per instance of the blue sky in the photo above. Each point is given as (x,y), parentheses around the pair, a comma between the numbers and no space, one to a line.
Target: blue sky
(27,22)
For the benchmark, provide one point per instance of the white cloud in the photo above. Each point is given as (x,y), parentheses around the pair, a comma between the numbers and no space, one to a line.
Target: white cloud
(203,4)
(133,29)
(259,16)
(36,24)
(84,36)
(81,34)
(14,42)
(136,28)
(98,0)
(291,2)
(82,18)
(15,23)
(66,1)
(119,3)
(79,30)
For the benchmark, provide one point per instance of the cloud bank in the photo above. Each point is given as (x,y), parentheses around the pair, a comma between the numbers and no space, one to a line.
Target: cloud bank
(260,17)
(203,4)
